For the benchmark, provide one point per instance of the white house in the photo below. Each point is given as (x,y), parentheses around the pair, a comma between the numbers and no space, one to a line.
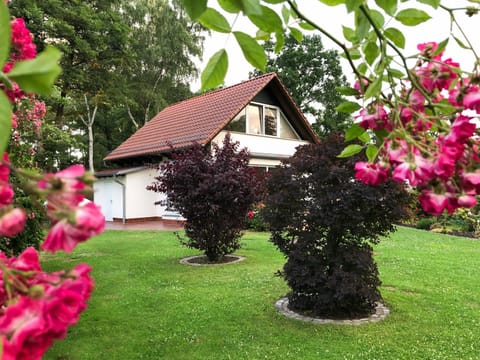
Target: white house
(258,113)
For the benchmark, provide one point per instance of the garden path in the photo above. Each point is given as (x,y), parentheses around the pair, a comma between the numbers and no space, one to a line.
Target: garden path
(145,225)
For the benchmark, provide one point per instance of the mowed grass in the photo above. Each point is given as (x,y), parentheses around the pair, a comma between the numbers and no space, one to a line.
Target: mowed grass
(148,306)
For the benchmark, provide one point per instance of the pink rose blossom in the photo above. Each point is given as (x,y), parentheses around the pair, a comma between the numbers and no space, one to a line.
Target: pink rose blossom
(471,100)
(370,174)
(22,41)
(6,193)
(26,261)
(467,200)
(433,203)
(4,169)
(437,75)
(89,221)
(461,130)
(471,181)
(427,49)
(12,222)
(376,120)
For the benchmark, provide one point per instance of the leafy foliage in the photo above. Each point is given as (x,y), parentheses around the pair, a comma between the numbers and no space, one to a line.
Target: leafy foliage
(312,75)
(213,190)
(34,230)
(324,221)
(130,59)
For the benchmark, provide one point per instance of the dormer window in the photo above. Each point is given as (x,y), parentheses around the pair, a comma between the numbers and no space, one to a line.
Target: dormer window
(260,119)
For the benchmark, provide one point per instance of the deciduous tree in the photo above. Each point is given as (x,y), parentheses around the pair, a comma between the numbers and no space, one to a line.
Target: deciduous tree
(325,222)
(213,190)
(312,76)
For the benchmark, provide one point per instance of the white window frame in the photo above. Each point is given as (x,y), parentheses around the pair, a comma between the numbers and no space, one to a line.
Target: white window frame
(278,111)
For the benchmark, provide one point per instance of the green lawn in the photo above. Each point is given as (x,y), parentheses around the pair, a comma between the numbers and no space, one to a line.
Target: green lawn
(148,306)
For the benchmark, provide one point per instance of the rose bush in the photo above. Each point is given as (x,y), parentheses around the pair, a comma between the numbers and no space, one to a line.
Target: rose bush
(37,307)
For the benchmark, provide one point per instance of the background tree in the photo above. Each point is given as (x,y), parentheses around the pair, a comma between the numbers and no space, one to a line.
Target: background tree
(163,45)
(122,57)
(312,75)
(325,221)
(213,190)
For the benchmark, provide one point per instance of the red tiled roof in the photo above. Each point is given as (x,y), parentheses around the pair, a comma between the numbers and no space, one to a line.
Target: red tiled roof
(195,120)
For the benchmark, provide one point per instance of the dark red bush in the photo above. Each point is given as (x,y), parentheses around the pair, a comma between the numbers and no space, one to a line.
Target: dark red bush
(325,221)
(213,190)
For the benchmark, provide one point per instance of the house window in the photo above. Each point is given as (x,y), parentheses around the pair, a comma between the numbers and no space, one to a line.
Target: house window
(286,131)
(238,123)
(271,115)
(261,119)
(254,116)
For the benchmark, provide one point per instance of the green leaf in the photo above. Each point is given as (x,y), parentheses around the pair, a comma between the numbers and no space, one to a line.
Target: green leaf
(371,51)
(212,19)
(350,150)
(445,107)
(5,32)
(412,17)
(354,132)
(396,36)
(365,137)
(268,20)
(389,6)
(274,1)
(333,2)
(231,6)
(373,88)
(371,152)
(5,121)
(5,80)
(377,18)
(355,54)
(362,25)
(253,52)
(346,90)
(280,42)
(215,71)
(362,68)
(461,43)
(285,14)
(441,47)
(349,34)
(297,34)
(381,135)
(251,7)
(396,73)
(353,5)
(433,3)
(194,8)
(348,107)
(37,75)
(262,35)
(306,26)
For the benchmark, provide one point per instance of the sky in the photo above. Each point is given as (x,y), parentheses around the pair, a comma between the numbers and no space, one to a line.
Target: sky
(332,19)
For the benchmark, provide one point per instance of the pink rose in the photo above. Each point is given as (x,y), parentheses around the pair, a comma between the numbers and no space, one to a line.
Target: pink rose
(12,222)
(89,221)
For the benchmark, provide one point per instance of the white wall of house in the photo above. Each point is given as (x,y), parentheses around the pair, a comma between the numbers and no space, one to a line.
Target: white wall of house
(262,144)
(108,195)
(140,203)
